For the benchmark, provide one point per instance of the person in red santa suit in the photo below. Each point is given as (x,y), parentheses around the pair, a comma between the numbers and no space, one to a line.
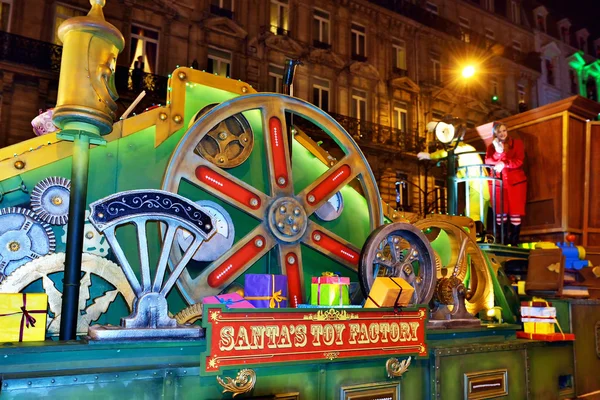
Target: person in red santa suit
(506,154)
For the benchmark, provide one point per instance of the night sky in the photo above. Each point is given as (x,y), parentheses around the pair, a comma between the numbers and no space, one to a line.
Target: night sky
(584,13)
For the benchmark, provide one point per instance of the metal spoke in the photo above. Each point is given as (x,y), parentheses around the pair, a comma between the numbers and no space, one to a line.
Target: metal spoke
(290,259)
(164,257)
(330,182)
(331,245)
(277,149)
(220,184)
(223,271)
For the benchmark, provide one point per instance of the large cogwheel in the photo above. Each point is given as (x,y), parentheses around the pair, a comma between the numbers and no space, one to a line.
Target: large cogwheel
(50,200)
(93,302)
(23,237)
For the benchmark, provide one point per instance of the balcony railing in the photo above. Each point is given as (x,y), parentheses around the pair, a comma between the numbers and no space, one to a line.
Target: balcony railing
(277,30)
(321,45)
(33,53)
(368,133)
(154,85)
(399,72)
(221,12)
(359,57)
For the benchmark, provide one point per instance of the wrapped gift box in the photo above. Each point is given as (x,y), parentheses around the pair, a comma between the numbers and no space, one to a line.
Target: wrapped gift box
(538,317)
(231,300)
(23,317)
(266,291)
(329,291)
(389,292)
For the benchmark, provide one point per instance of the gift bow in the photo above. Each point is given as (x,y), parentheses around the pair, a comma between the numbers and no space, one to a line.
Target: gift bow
(27,320)
(276,296)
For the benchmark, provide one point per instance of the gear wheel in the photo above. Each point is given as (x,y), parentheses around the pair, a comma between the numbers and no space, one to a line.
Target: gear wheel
(92,302)
(190,314)
(23,237)
(50,200)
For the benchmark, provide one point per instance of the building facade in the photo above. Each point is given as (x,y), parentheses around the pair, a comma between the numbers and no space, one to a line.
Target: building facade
(382,68)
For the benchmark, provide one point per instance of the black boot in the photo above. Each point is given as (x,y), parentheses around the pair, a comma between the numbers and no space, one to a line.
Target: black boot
(505,238)
(513,238)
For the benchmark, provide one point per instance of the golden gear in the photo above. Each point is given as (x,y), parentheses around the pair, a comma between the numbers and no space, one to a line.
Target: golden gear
(190,314)
(43,267)
(465,255)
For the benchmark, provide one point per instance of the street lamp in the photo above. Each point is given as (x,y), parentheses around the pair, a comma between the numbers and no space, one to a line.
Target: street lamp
(468,71)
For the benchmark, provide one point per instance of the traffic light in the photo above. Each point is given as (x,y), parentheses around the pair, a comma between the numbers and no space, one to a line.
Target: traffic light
(495,98)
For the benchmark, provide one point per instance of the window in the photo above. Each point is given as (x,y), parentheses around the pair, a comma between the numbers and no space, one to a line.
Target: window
(465,29)
(541,22)
(489,5)
(514,12)
(144,43)
(402,192)
(432,8)
(359,104)
(549,71)
(279,17)
(359,41)
(490,35)
(62,12)
(399,50)
(219,62)
(5,14)
(494,86)
(521,93)
(321,94)
(440,196)
(436,68)
(400,118)
(275,78)
(321,27)
(573,80)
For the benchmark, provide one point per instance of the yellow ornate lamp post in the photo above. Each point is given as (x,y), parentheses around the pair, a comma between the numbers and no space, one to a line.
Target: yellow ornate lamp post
(85,111)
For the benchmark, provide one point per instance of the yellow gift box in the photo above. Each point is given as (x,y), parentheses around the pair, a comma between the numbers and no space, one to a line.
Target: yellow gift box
(23,317)
(538,327)
(389,292)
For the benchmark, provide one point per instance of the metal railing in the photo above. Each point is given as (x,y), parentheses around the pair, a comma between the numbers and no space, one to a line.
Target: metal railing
(130,86)
(321,45)
(221,12)
(33,53)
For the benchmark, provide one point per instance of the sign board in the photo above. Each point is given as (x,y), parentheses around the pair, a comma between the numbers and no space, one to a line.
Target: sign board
(244,337)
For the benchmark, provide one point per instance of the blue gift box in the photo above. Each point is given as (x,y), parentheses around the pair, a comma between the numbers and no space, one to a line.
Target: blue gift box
(266,291)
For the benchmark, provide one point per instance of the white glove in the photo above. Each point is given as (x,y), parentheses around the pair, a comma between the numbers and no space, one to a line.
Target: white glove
(498,145)
(499,167)
(424,156)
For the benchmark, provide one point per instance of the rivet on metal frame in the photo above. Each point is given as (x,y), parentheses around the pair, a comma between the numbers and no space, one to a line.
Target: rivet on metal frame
(243,382)
(396,369)
(181,75)
(163,116)
(177,118)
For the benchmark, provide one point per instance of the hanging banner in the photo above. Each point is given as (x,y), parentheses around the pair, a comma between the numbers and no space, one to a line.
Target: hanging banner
(260,337)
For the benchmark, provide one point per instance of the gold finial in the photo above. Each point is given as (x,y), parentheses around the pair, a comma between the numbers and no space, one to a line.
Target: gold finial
(96,10)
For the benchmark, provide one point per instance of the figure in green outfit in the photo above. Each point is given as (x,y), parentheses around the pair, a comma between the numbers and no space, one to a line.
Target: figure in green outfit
(477,188)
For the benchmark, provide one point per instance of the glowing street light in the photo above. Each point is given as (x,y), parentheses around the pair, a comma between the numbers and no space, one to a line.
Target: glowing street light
(468,71)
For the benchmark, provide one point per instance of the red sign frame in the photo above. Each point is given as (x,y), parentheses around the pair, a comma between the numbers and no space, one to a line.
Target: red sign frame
(261,337)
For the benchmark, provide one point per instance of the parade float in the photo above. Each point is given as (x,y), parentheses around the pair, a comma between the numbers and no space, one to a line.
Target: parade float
(210,248)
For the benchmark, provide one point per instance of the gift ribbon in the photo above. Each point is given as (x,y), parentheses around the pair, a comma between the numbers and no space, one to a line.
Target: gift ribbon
(274,300)
(396,307)
(339,283)
(27,320)
(559,328)
(228,302)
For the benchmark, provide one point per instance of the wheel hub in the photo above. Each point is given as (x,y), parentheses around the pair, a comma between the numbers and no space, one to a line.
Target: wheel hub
(287,219)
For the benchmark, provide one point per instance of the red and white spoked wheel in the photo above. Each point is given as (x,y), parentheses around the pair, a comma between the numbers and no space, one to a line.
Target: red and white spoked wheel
(284,214)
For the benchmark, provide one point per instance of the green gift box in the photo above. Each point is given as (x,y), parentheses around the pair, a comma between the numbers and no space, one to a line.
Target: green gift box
(329,291)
